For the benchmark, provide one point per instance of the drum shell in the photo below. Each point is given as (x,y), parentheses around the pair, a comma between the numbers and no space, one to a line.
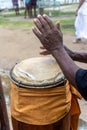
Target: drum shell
(40,106)
(40,101)
(63,124)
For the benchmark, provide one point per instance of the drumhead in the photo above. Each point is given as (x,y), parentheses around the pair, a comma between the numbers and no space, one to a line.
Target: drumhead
(39,72)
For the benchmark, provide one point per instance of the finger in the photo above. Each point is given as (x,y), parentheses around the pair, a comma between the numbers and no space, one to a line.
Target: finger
(38,25)
(50,23)
(58,25)
(42,47)
(45,53)
(37,33)
(43,22)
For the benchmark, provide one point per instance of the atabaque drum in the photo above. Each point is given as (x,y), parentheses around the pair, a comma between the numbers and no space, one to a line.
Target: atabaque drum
(40,95)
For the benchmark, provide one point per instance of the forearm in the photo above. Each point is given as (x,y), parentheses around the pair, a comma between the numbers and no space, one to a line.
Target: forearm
(67,65)
(77,56)
(51,38)
(80,4)
(80,57)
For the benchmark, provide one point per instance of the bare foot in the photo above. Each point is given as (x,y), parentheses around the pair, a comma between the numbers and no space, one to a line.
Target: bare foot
(77,41)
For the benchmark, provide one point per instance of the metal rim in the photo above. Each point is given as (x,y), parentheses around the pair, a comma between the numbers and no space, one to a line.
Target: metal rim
(27,85)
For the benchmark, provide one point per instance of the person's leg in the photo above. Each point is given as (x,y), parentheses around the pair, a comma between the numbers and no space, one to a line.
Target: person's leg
(17,9)
(25,12)
(30,11)
(78,28)
(35,11)
(84,26)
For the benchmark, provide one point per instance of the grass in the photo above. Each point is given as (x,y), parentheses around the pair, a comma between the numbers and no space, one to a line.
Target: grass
(67,24)
(15,24)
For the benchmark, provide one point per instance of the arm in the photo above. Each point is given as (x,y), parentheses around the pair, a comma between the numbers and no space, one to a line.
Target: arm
(67,65)
(51,38)
(77,56)
(80,4)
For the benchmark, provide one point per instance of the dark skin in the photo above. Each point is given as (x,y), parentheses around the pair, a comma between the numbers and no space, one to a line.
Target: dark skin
(80,4)
(52,40)
(76,56)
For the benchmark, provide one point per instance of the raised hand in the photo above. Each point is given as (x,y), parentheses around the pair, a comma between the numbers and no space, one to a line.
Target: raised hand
(49,35)
(43,50)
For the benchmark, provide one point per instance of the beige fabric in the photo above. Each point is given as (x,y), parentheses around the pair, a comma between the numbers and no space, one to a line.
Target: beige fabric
(37,71)
(40,106)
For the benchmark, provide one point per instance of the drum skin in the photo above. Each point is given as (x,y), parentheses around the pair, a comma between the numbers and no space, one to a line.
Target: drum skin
(39,72)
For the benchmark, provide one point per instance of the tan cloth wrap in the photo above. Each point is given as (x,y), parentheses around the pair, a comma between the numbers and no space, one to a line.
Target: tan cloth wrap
(75,108)
(40,106)
(75,92)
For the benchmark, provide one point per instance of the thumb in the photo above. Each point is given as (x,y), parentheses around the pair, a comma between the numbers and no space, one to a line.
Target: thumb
(58,26)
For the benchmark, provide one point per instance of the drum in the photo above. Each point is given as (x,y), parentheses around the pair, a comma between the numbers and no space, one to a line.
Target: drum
(40,95)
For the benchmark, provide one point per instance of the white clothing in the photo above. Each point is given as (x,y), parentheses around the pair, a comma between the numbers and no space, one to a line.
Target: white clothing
(81,21)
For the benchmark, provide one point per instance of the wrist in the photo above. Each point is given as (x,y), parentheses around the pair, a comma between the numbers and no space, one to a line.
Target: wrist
(77,9)
(57,52)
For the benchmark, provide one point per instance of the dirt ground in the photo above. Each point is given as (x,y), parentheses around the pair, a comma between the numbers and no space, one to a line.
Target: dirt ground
(19,44)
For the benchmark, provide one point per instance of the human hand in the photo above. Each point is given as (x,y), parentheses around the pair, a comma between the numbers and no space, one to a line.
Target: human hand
(46,52)
(49,35)
(43,50)
(76,13)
